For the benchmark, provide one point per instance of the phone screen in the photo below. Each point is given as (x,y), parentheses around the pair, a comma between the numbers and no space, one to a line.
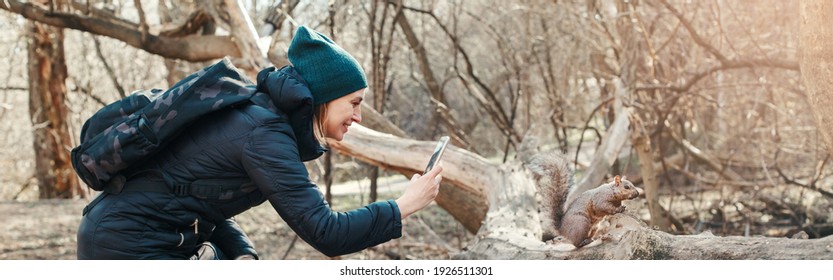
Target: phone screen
(438,153)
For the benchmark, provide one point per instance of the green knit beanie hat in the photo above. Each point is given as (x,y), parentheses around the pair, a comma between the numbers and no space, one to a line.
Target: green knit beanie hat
(329,70)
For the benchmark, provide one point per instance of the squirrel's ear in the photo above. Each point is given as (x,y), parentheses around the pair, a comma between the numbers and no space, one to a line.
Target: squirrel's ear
(617,180)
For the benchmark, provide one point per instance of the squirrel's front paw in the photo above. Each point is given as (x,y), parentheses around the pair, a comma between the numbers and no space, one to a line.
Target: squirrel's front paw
(621,209)
(555,240)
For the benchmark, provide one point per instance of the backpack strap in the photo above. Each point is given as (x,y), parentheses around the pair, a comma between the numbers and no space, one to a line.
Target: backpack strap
(144,185)
(148,180)
(213,189)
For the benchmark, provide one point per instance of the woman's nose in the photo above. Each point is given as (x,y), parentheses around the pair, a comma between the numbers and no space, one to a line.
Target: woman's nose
(357,117)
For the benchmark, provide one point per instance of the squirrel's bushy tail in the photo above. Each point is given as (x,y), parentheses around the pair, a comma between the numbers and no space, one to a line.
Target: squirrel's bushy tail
(554,178)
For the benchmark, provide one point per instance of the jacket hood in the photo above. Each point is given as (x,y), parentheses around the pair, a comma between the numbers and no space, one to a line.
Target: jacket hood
(289,95)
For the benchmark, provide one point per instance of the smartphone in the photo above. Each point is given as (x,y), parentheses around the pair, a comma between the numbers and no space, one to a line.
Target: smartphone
(438,153)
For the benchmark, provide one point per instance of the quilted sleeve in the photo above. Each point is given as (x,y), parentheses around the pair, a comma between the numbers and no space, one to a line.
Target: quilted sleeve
(272,162)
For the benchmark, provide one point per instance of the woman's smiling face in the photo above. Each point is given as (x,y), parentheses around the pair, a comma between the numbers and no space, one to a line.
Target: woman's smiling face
(341,113)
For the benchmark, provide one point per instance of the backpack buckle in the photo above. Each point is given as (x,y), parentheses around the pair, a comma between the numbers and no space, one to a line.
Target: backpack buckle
(181,190)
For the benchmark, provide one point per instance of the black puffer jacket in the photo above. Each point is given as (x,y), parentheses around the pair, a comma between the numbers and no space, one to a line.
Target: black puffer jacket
(262,145)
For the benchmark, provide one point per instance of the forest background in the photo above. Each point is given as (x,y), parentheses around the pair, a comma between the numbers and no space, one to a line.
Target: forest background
(711,106)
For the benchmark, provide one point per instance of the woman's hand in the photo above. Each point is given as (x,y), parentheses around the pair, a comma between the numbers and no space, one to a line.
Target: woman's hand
(420,192)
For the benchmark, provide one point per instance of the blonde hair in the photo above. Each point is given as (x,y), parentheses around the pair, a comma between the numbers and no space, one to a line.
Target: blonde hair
(318,114)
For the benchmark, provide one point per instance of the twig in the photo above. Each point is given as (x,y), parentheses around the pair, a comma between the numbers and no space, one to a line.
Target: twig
(694,35)
(291,245)
(108,68)
(25,186)
(587,125)
(712,182)
(698,154)
(812,185)
(143,25)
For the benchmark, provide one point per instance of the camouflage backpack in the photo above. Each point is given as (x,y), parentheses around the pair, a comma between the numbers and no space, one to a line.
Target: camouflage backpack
(128,131)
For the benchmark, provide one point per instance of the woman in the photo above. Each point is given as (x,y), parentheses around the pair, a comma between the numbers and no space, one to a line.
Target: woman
(251,154)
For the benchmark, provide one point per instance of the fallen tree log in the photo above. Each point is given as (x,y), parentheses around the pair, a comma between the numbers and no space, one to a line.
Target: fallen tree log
(634,240)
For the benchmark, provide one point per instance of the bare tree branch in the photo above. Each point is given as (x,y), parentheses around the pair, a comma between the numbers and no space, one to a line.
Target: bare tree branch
(14,88)
(108,68)
(193,48)
(196,21)
(737,64)
(694,35)
(493,104)
(438,97)
(812,185)
(143,25)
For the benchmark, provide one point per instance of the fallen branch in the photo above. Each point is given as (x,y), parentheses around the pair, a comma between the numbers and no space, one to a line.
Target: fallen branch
(640,242)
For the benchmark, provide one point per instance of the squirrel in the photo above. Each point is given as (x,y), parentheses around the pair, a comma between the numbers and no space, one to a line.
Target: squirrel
(568,213)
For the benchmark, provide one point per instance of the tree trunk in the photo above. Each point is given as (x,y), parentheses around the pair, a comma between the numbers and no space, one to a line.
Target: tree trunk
(816,62)
(274,19)
(242,30)
(642,144)
(378,75)
(465,171)
(202,23)
(47,92)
